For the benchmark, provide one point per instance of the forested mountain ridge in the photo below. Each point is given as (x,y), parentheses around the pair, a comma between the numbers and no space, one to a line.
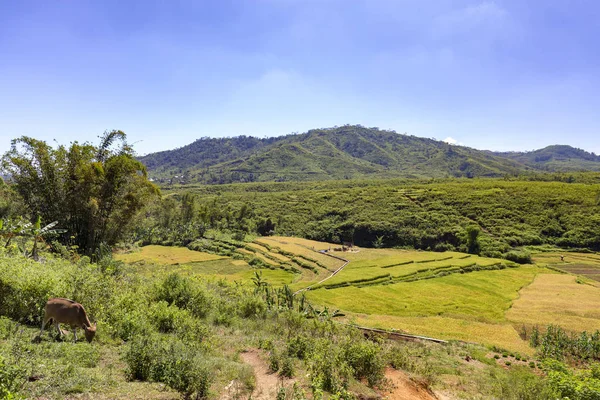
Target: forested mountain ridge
(347,152)
(556,158)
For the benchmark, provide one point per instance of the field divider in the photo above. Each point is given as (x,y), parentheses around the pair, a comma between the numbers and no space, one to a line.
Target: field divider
(404,336)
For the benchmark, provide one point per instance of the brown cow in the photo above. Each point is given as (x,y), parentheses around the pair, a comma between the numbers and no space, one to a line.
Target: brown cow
(69,312)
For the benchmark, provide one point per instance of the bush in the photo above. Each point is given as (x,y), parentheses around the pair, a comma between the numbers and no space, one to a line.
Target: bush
(297,346)
(520,257)
(251,307)
(181,292)
(164,359)
(365,359)
(287,367)
(11,380)
(328,369)
(273,361)
(519,383)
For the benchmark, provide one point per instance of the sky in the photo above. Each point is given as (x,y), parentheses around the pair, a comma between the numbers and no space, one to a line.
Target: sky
(489,74)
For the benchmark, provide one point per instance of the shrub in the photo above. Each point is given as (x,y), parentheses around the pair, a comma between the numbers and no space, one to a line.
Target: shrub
(365,359)
(297,346)
(519,383)
(165,316)
(273,361)
(183,293)
(173,362)
(327,367)
(174,290)
(520,257)
(287,367)
(11,380)
(251,306)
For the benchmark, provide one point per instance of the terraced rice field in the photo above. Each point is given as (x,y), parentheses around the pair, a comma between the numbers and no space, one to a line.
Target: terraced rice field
(444,295)
(583,264)
(166,255)
(305,248)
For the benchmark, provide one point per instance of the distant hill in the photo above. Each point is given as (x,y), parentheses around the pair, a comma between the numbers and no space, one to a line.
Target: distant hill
(346,152)
(556,158)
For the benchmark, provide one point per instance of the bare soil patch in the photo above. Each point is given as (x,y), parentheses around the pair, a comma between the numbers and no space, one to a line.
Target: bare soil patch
(267,383)
(403,388)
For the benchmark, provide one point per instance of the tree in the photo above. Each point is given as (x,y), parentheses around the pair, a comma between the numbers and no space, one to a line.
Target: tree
(473,240)
(93,191)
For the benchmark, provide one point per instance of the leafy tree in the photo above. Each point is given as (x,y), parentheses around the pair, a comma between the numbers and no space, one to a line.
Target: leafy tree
(473,239)
(93,191)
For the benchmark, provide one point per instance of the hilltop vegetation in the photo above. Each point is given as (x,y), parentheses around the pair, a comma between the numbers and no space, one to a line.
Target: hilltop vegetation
(557,158)
(348,152)
(429,215)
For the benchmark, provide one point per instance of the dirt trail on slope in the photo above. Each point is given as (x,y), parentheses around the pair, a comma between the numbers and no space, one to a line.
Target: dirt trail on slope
(267,383)
(403,388)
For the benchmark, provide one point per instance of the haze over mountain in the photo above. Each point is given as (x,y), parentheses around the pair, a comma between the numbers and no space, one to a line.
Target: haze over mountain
(346,152)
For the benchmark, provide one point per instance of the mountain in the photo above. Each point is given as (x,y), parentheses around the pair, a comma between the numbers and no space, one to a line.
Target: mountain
(350,151)
(556,158)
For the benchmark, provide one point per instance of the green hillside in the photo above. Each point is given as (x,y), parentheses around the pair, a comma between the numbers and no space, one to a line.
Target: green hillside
(557,158)
(345,152)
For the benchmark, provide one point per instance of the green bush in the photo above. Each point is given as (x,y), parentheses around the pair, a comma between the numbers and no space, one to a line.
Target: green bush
(12,379)
(274,361)
(298,346)
(251,307)
(287,367)
(520,257)
(366,360)
(327,367)
(173,362)
(519,383)
(181,292)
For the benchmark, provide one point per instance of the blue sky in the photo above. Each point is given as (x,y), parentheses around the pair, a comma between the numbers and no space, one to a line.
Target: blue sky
(500,75)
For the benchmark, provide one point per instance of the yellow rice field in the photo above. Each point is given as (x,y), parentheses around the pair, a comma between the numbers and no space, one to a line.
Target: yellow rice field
(166,255)
(557,299)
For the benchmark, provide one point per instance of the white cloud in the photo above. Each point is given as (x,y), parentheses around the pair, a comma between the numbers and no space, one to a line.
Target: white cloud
(450,140)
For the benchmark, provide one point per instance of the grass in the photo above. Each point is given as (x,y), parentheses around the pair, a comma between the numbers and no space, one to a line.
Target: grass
(478,296)
(68,370)
(166,255)
(559,300)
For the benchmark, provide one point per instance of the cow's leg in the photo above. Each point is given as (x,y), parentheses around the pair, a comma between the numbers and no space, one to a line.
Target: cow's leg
(44,322)
(60,332)
(75,333)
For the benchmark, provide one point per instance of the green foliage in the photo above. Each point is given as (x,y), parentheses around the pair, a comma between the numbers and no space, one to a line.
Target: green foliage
(556,344)
(518,383)
(473,245)
(11,380)
(175,363)
(93,191)
(521,257)
(583,385)
(428,215)
(366,360)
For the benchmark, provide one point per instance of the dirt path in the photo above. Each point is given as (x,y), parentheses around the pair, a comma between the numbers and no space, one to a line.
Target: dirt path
(267,383)
(330,276)
(403,388)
